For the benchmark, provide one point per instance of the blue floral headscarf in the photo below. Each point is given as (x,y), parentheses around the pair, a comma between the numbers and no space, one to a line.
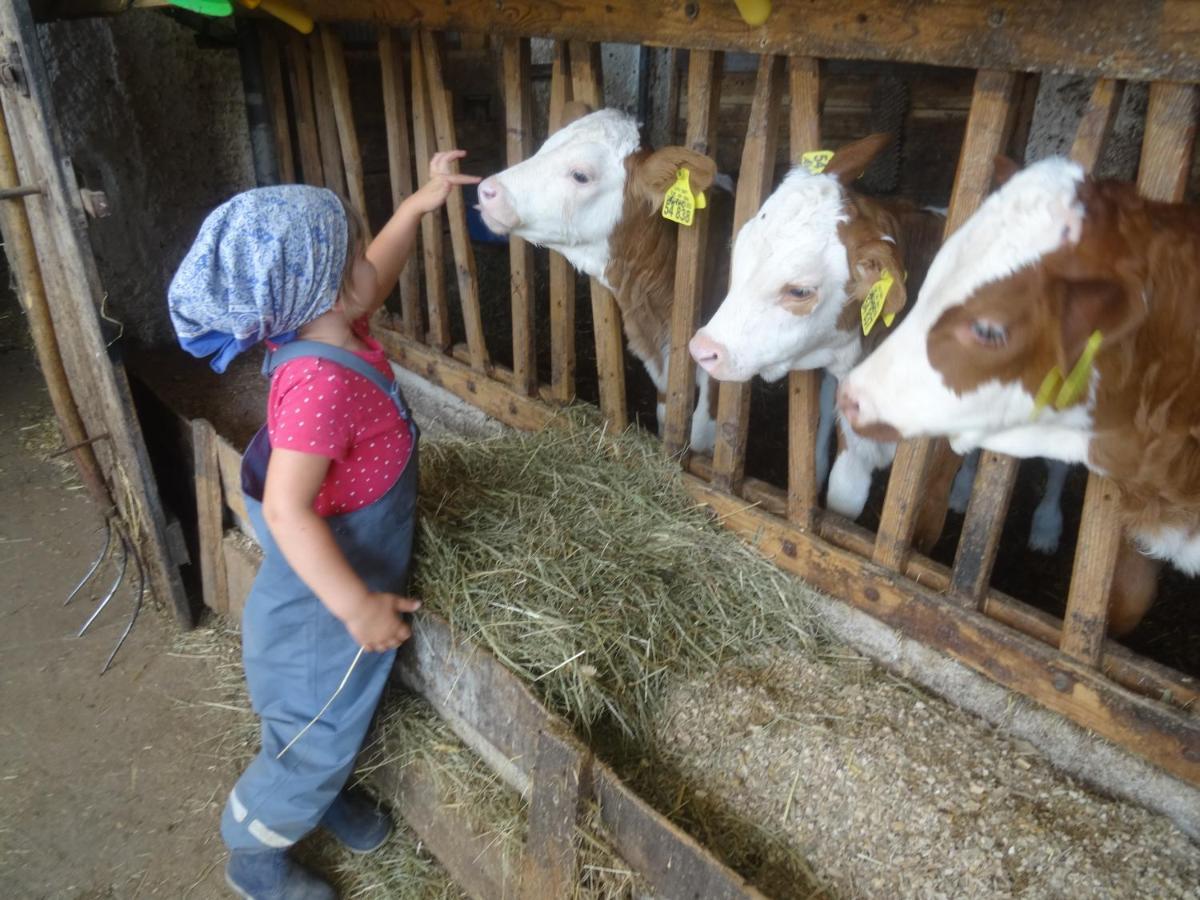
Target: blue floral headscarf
(265,263)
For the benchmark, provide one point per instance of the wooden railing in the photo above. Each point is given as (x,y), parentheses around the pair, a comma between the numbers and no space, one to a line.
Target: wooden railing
(1067,665)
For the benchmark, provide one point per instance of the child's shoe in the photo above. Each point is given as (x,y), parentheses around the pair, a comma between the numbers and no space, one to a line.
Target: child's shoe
(357,822)
(272,875)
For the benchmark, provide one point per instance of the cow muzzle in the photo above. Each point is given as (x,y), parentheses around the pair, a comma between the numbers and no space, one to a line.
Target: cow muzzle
(712,356)
(496,208)
(858,410)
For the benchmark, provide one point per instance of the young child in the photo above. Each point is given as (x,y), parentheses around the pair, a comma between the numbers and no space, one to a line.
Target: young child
(330,483)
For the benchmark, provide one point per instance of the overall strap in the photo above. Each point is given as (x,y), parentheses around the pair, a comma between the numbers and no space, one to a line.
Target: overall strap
(298,349)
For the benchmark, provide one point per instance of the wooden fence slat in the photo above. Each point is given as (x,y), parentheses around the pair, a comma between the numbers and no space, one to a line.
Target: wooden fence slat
(754,183)
(562,274)
(456,208)
(518,120)
(558,785)
(432,238)
(302,108)
(804,388)
(327,130)
(400,170)
(343,113)
(210,507)
(272,65)
(1097,119)
(703,105)
(907,495)
(1168,141)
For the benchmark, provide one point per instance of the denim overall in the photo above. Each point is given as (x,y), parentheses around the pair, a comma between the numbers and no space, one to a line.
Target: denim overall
(296,652)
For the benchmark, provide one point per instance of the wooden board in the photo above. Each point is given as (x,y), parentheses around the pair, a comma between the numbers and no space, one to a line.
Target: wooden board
(272,65)
(562,275)
(560,781)
(303,111)
(333,169)
(518,126)
(210,516)
(400,167)
(343,114)
(703,104)
(1141,41)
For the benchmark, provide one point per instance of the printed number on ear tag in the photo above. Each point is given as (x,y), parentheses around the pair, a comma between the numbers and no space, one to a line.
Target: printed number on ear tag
(873,304)
(816,160)
(680,204)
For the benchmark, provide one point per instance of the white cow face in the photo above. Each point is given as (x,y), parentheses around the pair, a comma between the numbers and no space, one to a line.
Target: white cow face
(568,196)
(796,266)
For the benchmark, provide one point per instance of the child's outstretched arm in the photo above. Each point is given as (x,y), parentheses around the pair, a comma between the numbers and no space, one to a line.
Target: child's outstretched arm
(372,618)
(393,245)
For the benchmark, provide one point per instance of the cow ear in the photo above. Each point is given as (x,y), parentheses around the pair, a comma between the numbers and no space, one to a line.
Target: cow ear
(867,264)
(654,174)
(1088,305)
(1003,168)
(575,109)
(850,161)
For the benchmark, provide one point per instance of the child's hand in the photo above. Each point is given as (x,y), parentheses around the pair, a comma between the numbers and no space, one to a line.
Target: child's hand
(376,625)
(441,180)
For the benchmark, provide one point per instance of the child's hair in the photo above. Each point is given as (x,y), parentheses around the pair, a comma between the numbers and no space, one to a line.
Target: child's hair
(356,248)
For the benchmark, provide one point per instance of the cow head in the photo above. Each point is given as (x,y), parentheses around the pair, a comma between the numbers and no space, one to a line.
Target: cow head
(570,195)
(1014,294)
(801,269)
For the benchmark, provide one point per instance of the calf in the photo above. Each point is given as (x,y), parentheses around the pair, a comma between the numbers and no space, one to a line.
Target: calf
(1061,320)
(593,193)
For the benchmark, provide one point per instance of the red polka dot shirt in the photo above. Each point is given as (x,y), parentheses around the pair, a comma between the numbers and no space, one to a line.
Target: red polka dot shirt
(317,406)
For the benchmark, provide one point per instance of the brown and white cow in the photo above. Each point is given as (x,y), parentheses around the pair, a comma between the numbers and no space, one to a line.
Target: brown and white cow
(1062,320)
(593,193)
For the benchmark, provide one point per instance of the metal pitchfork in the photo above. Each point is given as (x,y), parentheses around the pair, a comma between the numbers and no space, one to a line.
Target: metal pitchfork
(127,549)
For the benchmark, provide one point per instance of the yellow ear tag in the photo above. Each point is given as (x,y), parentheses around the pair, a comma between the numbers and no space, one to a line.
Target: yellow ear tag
(816,160)
(872,305)
(1074,385)
(680,204)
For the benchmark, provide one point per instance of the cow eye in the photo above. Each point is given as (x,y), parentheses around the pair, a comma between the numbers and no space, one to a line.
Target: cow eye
(989,334)
(580,177)
(800,293)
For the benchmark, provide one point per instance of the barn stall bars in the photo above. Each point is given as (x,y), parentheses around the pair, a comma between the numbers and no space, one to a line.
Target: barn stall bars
(1067,665)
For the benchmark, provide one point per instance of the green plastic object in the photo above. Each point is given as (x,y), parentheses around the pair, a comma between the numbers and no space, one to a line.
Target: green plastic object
(205,7)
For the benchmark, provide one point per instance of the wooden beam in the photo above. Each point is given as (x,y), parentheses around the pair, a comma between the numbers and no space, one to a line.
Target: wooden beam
(400,167)
(456,208)
(1168,142)
(210,508)
(1137,41)
(562,274)
(754,184)
(907,498)
(518,121)
(1097,120)
(303,110)
(333,169)
(343,113)
(432,239)
(272,64)
(703,106)
(559,784)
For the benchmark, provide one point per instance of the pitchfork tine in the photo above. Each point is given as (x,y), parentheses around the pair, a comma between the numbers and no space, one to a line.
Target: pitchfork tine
(137,605)
(111,591)
(96,565)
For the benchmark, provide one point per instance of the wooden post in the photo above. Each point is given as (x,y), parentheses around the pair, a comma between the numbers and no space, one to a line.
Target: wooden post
(272,65)
(804,388)
(327,130)
(210,509)
(339,92)
(558,785)
(703,104)
(432,238)
(302,108)
(456,208)
(754,183)
(518,120)
(562,274)
(984,138)
(400,170)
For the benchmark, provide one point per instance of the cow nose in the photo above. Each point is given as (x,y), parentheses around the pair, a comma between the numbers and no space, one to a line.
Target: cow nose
(848,404)
(489,189)
(858,411)
(707,352)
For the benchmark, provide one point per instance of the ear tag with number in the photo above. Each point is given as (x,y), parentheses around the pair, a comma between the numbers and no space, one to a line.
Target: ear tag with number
(680,204)
(816,160)
(1072,388)
(872,304)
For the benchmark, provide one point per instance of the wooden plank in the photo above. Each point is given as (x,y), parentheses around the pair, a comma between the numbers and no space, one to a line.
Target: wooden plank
(229,460)
(432,238)
(1168,141)
(74,294)
(210,509)
(333,169)
(1097,119)
(400,170)
(1166,737)
(562,274)
(1086,620)
(343,114)
(587,86)
(1119,40)
(559,784)
(907,496)
(982,526)
(272,65)
(754,184)
(518,122)
(303,110)
(703,106)
(456,209)
(241,561)
(804,388)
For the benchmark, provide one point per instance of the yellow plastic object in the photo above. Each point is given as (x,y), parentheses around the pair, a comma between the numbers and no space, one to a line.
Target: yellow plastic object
(755,12)
(1070,390)
(873,303)
(816,160)
(302,22)
(679,203)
